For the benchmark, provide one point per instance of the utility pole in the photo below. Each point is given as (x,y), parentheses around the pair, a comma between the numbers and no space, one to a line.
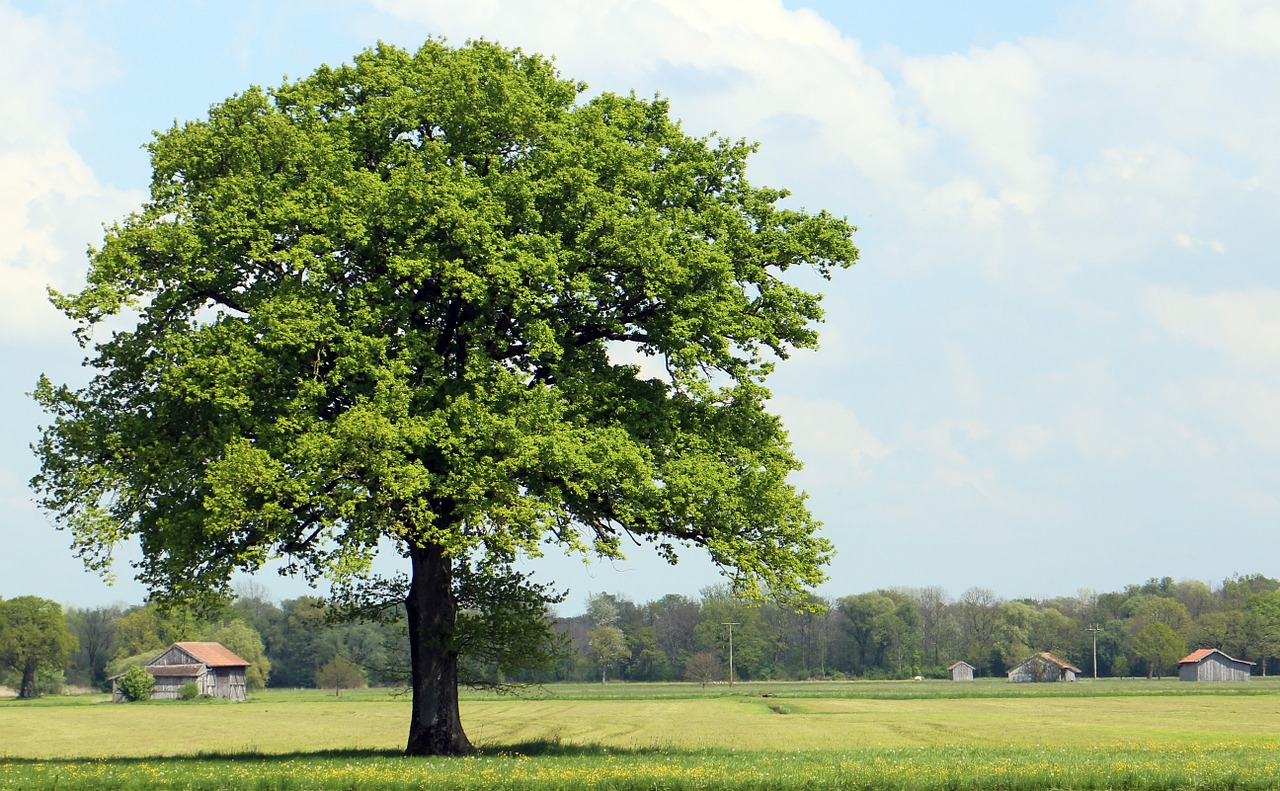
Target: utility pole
(731,625)
(1095,629)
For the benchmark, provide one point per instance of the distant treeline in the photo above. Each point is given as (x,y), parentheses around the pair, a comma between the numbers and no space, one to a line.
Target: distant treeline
(906,632)
(884,634)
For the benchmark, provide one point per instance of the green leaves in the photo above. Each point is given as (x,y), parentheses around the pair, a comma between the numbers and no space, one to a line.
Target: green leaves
(33,636)
(136,684)
(392,300)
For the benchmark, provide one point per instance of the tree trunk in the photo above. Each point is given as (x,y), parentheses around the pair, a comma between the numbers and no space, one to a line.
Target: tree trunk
(27,689)
(435,727)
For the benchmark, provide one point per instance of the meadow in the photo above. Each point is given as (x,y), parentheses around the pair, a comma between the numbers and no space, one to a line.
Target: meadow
(1108,734)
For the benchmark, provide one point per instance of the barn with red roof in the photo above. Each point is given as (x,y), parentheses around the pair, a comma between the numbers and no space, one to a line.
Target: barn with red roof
(1044,666)
(212,667)
(1210,664)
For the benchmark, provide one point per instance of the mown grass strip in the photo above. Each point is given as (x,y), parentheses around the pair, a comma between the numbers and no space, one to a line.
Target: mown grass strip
(555,767)
(1207,740)
(995,688)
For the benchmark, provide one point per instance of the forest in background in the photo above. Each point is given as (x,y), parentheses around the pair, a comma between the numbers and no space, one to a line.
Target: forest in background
(895,633)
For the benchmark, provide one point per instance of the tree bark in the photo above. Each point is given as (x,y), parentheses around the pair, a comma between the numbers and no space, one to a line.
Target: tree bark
(27,689)
(435,726)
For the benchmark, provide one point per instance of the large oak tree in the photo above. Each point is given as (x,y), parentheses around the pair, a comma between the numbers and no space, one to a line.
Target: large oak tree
(403,301)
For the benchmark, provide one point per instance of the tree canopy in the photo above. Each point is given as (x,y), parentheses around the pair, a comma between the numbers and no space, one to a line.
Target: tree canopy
(1160,645)
(408,300)
(339,674)
(33,636)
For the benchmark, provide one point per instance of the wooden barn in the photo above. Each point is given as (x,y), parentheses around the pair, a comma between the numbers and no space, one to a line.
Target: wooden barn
(1210,664)
(215,671)
(1044,667)
(961,671)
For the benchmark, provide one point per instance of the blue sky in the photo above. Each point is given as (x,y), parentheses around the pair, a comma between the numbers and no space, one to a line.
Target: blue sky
(1057,365)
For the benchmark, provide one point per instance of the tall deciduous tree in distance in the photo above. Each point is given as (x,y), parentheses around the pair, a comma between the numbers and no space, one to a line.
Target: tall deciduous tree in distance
(244,641)
(1160,645)
(608,647)
(1262,626)
(407,300)
(33,635)
(95,633)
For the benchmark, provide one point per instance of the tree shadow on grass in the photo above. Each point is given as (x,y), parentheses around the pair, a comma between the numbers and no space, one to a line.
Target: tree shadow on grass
(537,748)
(212,756)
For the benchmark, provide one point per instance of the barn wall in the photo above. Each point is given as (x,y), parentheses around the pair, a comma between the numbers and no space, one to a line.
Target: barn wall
(1037,669)
(229,683)
(167,687)
(175,656)
(224,682)
(1025,673)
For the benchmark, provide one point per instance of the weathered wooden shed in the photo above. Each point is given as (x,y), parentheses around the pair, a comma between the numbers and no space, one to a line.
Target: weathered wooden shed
(1210,664)
(1044,666)
(215,671)
(961,671)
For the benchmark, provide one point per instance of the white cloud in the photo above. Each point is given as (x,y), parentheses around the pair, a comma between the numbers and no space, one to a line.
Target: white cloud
(1121,207)
(1256,500)
(963,382)
(829,438)
(1024,443)
(1243,326)
(1249,28)
(1030,160)
(986,102)
(1243,415)
(939,441)
(1189,242)
(1129,425)
(1055,157)
(754,62)
(51,204)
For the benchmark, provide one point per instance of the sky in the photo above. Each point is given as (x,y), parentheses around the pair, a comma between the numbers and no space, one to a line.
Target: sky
(1055,368)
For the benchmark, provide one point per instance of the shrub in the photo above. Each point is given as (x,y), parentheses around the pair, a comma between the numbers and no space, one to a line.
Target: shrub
(340,674)
(50,681)
(189,691)
(136,683)
(703,669)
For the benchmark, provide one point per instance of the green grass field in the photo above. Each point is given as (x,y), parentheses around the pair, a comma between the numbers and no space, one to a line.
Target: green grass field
(872,735)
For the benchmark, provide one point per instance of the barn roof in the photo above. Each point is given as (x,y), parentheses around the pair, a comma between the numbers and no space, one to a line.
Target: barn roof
(954,665)
(213,654)
(1048,657)
(1201,654)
